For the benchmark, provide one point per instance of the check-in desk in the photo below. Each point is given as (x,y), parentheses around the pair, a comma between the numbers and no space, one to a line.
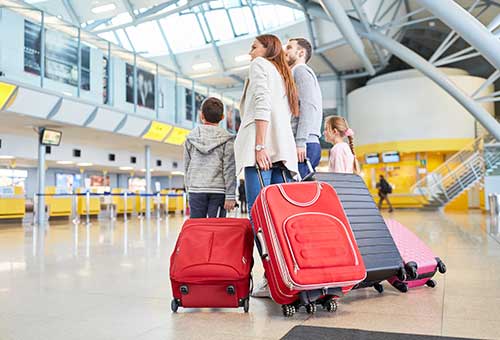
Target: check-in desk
(175,201)
(57,205)
(118,200)
(94,203)
(12,203)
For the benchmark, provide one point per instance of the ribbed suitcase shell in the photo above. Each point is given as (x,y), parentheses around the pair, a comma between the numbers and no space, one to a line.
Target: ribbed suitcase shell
(380,254)
(413,249)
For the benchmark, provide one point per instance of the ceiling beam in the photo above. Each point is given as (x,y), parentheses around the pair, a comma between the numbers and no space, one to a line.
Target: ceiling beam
(75,19)
(130,8)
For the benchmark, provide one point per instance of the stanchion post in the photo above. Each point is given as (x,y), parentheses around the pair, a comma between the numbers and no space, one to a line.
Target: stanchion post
(167,204)
(87,200)
(158,204)
(184,203)
(125,207)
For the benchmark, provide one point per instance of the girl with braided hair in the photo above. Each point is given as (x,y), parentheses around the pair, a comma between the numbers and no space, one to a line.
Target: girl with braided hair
(342,155)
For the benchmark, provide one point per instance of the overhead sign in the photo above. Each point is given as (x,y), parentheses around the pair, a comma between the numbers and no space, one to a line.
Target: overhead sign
(6,91)
(157,131)
(177,136)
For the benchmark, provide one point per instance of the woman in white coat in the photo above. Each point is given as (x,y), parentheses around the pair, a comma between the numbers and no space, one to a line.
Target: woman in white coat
(265,137)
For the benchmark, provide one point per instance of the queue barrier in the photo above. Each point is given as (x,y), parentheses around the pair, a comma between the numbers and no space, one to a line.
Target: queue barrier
(89,203)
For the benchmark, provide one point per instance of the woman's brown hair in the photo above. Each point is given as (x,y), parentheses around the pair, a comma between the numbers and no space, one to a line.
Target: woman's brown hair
(276,55)
(340,124)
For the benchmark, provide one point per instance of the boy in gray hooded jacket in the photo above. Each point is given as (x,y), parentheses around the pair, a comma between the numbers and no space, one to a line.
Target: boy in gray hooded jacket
(209,166)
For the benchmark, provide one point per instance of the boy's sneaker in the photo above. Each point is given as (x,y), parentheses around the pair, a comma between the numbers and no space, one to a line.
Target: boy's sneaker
(262,290)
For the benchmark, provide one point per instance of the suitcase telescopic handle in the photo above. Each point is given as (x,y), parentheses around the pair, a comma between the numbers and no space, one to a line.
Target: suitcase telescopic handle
(311,173)
(260,237)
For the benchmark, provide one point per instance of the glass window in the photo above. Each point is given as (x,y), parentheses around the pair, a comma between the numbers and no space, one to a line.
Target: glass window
(266,17)
(242,20)
(220,25)
(147,38)
(192,36)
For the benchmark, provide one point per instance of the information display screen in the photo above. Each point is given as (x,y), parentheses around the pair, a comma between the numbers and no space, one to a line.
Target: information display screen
(390,157)
(372,158)
(50,137)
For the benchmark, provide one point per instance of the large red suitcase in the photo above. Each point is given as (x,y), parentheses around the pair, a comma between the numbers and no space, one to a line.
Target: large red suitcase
(309,253)
(211,263)
(420,261)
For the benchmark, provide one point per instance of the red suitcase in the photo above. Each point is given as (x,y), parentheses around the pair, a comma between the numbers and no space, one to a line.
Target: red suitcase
(211,263)
(420,261)
(310,255)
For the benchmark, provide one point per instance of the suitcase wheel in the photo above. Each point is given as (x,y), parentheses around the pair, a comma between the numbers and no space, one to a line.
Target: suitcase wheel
(311,308)
(401,286)
(401,274)
(441,265)
(288,310)
(246,305)
(330,306)
(378,287)
(431,283)
(174,305)
(411,270)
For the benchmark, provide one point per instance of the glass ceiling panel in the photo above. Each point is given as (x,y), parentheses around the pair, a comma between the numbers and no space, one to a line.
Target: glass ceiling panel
(191,36)
(109,36)
(147,38)
(124,40)
(242,20)
(220,25)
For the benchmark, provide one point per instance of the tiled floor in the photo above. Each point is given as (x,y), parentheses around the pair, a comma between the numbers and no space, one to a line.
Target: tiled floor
(111,281)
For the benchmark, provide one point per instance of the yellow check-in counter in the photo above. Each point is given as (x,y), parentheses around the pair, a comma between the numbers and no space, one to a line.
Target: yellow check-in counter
(94,203)
(119,201)
(140,203)
(57,205)
(12,203)
(175,202)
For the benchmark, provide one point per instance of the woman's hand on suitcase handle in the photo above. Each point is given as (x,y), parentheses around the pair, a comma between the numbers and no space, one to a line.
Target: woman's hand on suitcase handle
(263,160)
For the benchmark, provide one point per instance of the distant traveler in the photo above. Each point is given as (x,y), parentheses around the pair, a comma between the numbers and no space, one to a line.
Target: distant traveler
(384,189)
(342,155)
(209,165)
(307,125)
(265,137)
(242,197)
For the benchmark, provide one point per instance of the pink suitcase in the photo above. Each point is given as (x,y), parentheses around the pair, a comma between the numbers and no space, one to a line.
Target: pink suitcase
(420,262)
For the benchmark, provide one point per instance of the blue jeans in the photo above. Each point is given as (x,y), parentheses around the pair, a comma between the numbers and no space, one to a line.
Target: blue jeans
(313,152)
(206,205)
(252,185)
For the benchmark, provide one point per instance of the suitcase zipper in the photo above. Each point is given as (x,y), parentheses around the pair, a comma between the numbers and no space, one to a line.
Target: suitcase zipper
(280,259)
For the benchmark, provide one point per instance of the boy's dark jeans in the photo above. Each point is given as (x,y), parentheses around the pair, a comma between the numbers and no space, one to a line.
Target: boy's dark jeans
(203,205)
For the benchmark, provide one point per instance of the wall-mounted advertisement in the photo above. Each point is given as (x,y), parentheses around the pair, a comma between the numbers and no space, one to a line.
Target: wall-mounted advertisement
(66,183)
(145,87)
(137,184)
(233,119)
(61,56)
(198,101)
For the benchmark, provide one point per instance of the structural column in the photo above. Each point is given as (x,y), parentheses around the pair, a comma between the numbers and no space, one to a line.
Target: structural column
(148,181)
(41,182)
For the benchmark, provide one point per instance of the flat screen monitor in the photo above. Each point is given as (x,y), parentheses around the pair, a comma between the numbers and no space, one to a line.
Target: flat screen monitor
(50,137)
(372,158)
(390,157)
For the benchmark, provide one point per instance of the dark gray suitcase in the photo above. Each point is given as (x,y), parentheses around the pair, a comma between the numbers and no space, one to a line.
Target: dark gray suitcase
(380,254)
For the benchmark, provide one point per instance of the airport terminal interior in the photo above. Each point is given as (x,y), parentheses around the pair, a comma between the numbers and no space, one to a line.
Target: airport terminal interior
(98,97)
